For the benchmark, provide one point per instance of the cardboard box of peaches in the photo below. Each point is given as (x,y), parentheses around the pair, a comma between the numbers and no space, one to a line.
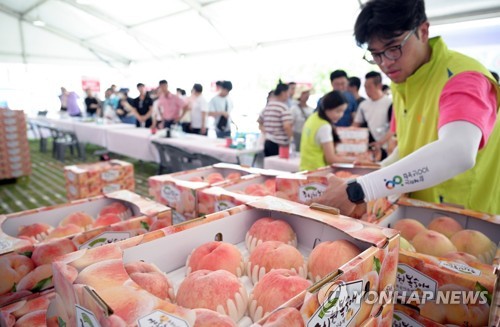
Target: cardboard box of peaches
(234,268)
(31,240)
(182,191)
(445,250)
(86,180)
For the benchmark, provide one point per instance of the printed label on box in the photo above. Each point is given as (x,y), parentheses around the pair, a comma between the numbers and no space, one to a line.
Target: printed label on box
(71,176)
(170,193)
(111,188)
(85,317)
(5,244)
(354,134)
(223,205)
(460,268)
(311,191)
(110,175)
(400,319)
(352,147)
(413,283)
(159,318)
(105,238)
(341,307)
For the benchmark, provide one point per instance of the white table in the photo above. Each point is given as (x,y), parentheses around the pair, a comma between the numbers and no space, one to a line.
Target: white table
(213,147)
(275,162)
(91,132)
(134,143)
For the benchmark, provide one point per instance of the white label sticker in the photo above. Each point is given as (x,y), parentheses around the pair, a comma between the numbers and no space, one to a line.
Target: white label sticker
(310,191)
(105,238)
(223,205)
(85,318)
(110,175)
(159,318)
(400,319)
(5,244)
(170,193)
(71,176)
(111,188)
(412,283)
(460,268)
(341,307)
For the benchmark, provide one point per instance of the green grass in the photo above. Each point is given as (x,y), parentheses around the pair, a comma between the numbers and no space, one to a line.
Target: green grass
(46,185)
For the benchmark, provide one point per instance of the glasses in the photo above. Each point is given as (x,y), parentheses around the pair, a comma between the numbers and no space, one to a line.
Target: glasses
(392,53)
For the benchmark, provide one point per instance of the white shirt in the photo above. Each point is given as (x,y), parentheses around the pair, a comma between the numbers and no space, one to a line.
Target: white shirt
(198,106)
(375,114)
(299,117)
(324,134)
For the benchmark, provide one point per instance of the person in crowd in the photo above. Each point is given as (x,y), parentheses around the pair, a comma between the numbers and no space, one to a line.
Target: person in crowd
(317,146)
(375,112)
(495,76)
(170,105)
(276,121)
(185,120)
(125,109)
(143,107)
(73,108)
(220,107)
(63,97)
(199,110)
(353,88)
(109,105)
(300,112)
(386,89)
(92,104)
(445,108)
(339,82)
(291,93)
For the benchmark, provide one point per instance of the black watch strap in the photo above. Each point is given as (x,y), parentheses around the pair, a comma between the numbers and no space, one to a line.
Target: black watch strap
(355,192)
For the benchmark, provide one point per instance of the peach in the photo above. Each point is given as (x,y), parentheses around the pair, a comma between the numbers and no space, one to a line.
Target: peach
(37,280)
(274,289)
(274,255)
(257,190)
(289,317)
(210,318)
(117,208)
(445,225)
(39,303)
(159,224)
(463,314)
(37,231)
(106,220)
(462,257)
(433,243)
(77,218)
(32,319)
(409,227)
(328,256)
(214,178)
(63,231)
(269,229)
(218,290)
(270,184)
(215,256)
(233,176)
(434,311)
(104,274)
(13,268)
(48,252)
(405,245)
(476,243)
(152,279)
(196,179)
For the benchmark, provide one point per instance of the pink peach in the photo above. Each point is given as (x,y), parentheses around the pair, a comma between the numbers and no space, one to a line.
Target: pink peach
(13,268)
(462,257)
(63,231)
(36,231)
(218,290)
(274,255)
(104,274)
(196,179)
(434,311)
(214,178)
(274,289)
(215,256)
(409,227)
(269,229)
(476,243)
(32,319)
(37,280)
(289,317)
(433,243)
(39,303)
(270,184)
(48,252)
(159,224)
(152,279)
(106,220)
(328,256)
(77,218)
(233,176)
(117,208)
(463,314)
(210,318)
(445,225)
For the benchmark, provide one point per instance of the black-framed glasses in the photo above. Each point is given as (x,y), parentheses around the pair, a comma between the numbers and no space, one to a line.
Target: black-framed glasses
(392,53)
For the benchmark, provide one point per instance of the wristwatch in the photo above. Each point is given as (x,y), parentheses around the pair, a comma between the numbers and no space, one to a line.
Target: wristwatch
(355,192)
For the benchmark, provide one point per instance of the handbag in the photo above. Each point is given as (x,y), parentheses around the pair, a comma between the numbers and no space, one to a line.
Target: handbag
(222,123)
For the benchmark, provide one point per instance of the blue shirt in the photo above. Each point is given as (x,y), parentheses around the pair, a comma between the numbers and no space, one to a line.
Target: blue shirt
(352,106)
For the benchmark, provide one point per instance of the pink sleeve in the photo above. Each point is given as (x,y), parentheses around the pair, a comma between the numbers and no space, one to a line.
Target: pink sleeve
(471,97)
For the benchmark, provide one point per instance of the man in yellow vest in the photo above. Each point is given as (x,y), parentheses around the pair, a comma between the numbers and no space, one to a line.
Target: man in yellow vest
(445,112)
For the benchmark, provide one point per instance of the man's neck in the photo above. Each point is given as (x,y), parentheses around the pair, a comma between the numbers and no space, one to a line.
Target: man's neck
(378,96)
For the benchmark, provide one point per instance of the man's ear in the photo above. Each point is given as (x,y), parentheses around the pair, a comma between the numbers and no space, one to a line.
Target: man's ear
(423,31)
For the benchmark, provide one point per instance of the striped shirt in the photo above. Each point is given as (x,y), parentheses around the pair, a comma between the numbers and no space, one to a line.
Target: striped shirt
(272,118)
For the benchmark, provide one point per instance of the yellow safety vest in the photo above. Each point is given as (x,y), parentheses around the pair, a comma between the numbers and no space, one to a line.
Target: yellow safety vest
(311,154)
(416,106)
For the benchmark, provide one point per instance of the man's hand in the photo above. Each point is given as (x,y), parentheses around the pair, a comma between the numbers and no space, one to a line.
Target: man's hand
(335,196)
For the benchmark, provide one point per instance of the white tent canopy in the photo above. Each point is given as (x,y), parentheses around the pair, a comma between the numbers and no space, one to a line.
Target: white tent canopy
(121,32)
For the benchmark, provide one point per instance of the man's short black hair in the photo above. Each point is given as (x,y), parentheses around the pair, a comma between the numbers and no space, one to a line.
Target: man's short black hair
(387,19)
(337,74)
(219,83)
(198,88)
(163,81)
(227,85)
(495,75)
(355,82)
(140,85)
(377,77)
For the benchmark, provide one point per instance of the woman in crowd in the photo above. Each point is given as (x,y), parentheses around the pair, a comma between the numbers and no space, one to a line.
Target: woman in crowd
(317,145)
(300,112)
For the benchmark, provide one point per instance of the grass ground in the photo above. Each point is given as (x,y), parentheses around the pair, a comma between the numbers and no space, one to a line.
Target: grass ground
(46,185)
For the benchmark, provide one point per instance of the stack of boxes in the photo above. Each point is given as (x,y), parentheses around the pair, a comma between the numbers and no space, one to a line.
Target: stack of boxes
(354,142)
(83,181)
(14,148)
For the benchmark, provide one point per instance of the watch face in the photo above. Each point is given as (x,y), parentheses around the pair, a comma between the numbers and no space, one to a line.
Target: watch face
(355,192)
